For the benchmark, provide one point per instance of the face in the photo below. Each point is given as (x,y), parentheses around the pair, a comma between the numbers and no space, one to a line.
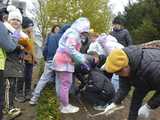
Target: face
(29,30)
(93,38)
(84,37)
(117,26)
(56,29)
(16,24)
(125,72)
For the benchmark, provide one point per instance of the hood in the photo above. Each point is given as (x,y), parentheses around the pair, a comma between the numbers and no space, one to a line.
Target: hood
(81,25)
(106,38)
(64,28)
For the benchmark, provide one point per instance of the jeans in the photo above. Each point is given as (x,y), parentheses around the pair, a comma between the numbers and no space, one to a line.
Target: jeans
(45,78)
(115,82)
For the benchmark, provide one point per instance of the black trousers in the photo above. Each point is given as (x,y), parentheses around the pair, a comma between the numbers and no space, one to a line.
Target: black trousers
(97,98)
(2,93)
(26,80)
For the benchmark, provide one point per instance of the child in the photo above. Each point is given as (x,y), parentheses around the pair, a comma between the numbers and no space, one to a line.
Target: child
(14,63)
(109,43)
(30,60)
(66,56)
(95,87)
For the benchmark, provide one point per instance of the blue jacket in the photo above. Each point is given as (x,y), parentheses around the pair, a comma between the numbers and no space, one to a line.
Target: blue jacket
(51,44)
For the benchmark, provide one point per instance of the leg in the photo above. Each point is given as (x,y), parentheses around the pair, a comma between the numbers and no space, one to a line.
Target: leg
(65,79)
(28,78)
(19,92)
(2,89)
(12,83)
(63,84)
(115,82)
(45,78)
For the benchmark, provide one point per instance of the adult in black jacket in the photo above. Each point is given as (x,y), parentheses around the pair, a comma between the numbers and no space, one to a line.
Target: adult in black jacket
(120,33)
(139,67)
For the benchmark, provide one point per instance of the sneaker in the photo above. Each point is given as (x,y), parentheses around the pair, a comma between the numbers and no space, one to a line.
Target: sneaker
(28,95)
(13,113)
(20,98)
(69,109)
(100,107)
(33,100)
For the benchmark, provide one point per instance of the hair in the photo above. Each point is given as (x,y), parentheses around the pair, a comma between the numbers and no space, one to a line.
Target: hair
(119,20)
(93,53)
(53,28)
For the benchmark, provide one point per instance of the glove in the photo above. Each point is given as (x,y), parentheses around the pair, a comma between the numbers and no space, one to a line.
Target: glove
(16,35)
(110,107)
(144,111)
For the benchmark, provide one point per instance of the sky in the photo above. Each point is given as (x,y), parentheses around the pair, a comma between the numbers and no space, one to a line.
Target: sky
(118,5)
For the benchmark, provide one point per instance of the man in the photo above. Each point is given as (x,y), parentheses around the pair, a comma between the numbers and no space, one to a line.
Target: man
(139,67)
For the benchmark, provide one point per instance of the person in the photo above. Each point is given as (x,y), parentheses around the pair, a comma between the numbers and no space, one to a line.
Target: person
(6,45)
(30,60)
(48,53)
(66,56)
(95,87)
(94,45)
(120,33)
(55,28)
(109,43)
(139,67)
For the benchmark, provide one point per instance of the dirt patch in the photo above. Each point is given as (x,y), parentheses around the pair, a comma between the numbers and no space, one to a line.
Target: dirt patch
(28,111)
(118,115)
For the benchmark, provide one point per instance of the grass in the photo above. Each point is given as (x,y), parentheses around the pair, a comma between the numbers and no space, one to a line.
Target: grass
(47,108)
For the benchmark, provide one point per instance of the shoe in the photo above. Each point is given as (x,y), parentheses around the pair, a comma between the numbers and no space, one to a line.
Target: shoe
(20,98)
(69,109)
(13,113)
(28,95)
(33,100)
(99,107)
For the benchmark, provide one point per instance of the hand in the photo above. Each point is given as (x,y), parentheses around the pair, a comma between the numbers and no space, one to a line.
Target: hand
(16,35)
(89,59)
(144,111)
(110,107)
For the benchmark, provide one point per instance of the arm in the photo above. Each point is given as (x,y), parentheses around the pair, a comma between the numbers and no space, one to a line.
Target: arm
(72,50)
(136,103)
(124,87)
(154,102)
(128,38)
(6,41)
(45,49)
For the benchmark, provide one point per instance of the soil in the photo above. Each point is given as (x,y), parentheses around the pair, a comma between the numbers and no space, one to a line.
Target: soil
(118,115)
(29,112)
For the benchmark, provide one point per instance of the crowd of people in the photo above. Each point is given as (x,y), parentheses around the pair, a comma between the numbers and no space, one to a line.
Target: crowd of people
(101,68)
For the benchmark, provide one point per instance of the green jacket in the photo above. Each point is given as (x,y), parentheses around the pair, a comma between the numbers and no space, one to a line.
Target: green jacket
(2,59)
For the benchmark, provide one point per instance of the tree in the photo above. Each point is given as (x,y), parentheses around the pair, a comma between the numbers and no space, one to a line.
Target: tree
(143,20)
(66,11)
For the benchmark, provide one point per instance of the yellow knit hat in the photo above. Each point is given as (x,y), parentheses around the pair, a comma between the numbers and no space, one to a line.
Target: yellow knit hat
(116,60)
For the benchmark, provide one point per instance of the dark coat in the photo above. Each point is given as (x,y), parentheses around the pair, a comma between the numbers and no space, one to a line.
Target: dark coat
(122,36)
(52,42)
(14,66)
(144,76)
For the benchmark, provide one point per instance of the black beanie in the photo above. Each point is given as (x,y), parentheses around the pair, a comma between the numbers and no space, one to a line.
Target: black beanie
(27,22)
